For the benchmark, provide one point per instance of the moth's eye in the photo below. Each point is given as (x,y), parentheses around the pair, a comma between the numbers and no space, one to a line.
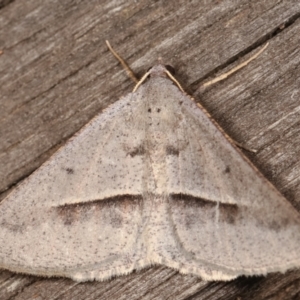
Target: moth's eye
(170,69)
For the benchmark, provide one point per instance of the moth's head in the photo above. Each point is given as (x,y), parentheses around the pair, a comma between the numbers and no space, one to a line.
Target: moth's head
(160,70)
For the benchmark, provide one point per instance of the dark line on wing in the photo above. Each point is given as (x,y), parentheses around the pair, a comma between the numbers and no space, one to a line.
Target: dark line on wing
(138,151)
(200,201)
(170,150)
(228,212)
(113,209)
(105,201)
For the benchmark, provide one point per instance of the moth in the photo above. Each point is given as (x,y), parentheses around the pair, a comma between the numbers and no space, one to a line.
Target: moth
(150,180)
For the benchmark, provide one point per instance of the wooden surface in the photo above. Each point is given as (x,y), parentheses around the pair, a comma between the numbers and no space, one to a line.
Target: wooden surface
(56,74)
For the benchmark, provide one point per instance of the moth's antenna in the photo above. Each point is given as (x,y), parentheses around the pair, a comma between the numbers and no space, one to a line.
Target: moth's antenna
(175,80)
(238,67)
(123,63)
(141,81)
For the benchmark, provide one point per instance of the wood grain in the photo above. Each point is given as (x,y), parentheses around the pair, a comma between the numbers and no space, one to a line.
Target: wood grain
(56,74)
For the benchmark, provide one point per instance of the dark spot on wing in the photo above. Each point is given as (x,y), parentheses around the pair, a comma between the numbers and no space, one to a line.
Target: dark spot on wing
(70,170)
(228,213)
(158,110)
(137,151)
(275,223)
(16,228)
(227,169)
(170,150)
(275,226)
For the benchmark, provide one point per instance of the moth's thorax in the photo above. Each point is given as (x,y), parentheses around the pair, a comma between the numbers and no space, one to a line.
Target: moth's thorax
(163,114)
(162,119)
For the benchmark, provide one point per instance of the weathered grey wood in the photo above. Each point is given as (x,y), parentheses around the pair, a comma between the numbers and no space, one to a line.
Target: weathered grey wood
(56,74)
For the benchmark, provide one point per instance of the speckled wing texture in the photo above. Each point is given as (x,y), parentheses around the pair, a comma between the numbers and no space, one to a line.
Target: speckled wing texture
(151,180)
